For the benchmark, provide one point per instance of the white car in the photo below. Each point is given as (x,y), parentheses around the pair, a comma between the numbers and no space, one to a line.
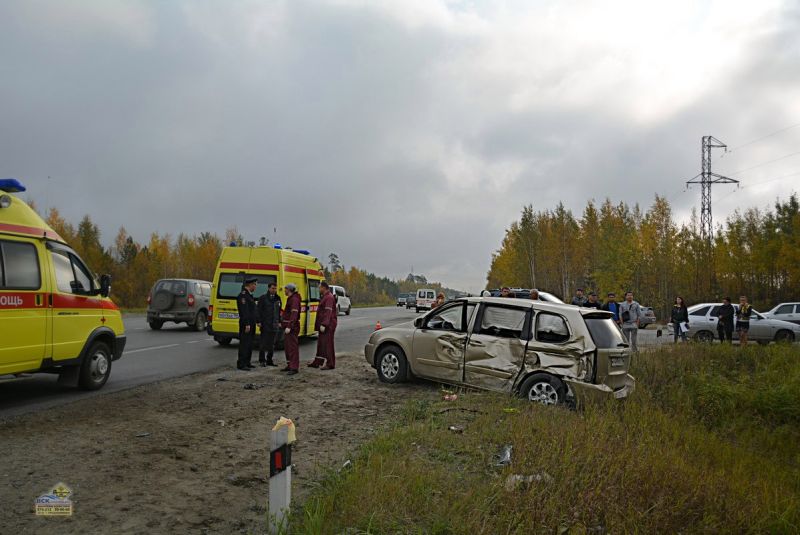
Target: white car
(343,303)
(786,312)
(425,299)
(703,326)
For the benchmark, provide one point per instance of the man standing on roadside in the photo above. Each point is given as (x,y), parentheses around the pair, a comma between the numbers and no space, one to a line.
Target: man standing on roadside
(579,300)
(593,302)
(630,313)
(743,320)
(725,314)
(325,324)
(612,306)
(269,316)
(291,329)
(534,295)
(247,323)
(505,292)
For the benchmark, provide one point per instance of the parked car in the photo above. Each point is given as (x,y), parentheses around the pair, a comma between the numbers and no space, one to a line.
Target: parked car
(179,301)
(411,301)
(425,299)
(648,317)
(785,311)
(343,303)
(545,352)
(523,293)
(703,326)
(401,300)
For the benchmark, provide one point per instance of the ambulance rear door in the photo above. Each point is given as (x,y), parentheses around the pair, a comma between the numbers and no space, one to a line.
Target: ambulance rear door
(24,314)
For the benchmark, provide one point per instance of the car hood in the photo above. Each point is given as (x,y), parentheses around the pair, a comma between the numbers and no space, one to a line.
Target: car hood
(393,331)
(783,324)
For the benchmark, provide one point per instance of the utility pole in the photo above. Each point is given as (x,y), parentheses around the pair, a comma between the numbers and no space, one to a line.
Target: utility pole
(706,178)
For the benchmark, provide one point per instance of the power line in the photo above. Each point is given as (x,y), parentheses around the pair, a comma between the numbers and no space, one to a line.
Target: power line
(765,163)
(775,133)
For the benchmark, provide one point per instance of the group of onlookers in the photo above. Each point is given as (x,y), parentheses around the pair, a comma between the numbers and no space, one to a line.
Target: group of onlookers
(627,314)
(728,318)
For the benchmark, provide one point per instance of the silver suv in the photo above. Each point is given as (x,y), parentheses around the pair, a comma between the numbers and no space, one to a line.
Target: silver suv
(179,301)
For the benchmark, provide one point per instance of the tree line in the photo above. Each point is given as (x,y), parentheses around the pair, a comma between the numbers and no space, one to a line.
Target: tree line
(617,247)
(135,267)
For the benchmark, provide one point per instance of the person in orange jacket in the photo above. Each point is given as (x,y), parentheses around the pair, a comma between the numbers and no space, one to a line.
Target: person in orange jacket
(291,329)
(325,324)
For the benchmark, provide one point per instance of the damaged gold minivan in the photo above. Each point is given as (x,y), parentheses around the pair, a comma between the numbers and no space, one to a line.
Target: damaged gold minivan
(547,352)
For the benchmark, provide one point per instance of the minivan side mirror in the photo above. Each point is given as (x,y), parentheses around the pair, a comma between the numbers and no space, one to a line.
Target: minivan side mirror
(105,285)
(418,323)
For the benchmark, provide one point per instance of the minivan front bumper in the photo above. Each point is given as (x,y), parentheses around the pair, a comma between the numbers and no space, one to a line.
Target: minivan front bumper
(119,346)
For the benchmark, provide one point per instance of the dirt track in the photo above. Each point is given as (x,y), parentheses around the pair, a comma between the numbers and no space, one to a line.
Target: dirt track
(203,465)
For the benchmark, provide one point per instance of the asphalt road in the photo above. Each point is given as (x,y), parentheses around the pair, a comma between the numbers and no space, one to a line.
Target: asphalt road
(175,351)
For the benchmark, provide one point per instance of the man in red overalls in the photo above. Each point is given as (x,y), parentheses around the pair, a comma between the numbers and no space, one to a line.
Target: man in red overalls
(326,325)
(291,329)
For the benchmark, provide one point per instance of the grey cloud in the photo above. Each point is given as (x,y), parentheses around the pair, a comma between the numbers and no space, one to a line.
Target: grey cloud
(342,125)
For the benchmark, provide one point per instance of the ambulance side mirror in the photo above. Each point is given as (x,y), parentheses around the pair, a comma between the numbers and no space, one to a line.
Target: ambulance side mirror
(105,285)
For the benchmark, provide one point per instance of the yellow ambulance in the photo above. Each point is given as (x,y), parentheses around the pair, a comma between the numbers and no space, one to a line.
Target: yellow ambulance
(267,264)
(55,315)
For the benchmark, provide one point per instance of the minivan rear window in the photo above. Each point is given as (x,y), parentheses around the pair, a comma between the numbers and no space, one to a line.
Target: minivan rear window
(229,285)
(605,333)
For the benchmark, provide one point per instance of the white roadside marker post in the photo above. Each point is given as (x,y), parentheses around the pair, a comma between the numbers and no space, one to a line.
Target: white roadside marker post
(280,479)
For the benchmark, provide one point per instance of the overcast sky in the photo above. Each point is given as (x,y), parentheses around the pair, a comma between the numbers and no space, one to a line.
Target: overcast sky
(394,133)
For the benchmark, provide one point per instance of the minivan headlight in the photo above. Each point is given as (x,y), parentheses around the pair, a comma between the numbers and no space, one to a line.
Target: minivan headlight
(5,201)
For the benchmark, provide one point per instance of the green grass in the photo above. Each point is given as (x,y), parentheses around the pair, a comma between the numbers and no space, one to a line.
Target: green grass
(710,443)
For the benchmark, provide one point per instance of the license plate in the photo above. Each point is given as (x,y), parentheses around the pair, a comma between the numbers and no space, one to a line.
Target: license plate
(228,316)
(166,316)
(617,362)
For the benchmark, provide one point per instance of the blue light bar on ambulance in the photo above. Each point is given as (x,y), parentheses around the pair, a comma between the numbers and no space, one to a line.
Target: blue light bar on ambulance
(302,251)
(11,185)
(277,246)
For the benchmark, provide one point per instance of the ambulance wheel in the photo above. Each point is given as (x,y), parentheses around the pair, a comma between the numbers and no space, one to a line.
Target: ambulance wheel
(391,364)
(96,367)
(347,312)
(199,324)
(338,310)
(223,341)
(156,325)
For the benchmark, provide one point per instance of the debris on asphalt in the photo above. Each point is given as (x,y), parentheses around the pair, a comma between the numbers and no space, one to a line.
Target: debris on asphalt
(254,386)
(142,435)
(222,378)
(504,455)
(221,422)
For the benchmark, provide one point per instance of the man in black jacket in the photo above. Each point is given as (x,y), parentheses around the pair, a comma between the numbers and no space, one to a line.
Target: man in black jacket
(725,322)
(269,317)
(247,323)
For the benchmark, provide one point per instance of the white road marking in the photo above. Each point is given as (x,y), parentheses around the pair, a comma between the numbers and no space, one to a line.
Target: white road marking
(150,348)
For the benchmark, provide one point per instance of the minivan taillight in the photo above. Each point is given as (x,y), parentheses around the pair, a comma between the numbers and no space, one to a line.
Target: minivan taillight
(210,313)
(190,300)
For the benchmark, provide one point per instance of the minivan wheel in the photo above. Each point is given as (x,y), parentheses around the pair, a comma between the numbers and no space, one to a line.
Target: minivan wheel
(347,312)
(391,364)
(338,310)
(199,324)
(96,367)
(156,325)
(784,337)
(706,337)
(543,388)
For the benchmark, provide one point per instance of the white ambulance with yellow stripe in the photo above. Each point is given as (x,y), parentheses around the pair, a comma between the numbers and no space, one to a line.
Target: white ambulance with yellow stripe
(55,314)
(267,264)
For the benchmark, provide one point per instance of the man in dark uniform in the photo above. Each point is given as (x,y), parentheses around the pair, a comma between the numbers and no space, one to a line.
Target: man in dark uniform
(327,320)
(247,323)
(725,314)
(291,329)
(269,317)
